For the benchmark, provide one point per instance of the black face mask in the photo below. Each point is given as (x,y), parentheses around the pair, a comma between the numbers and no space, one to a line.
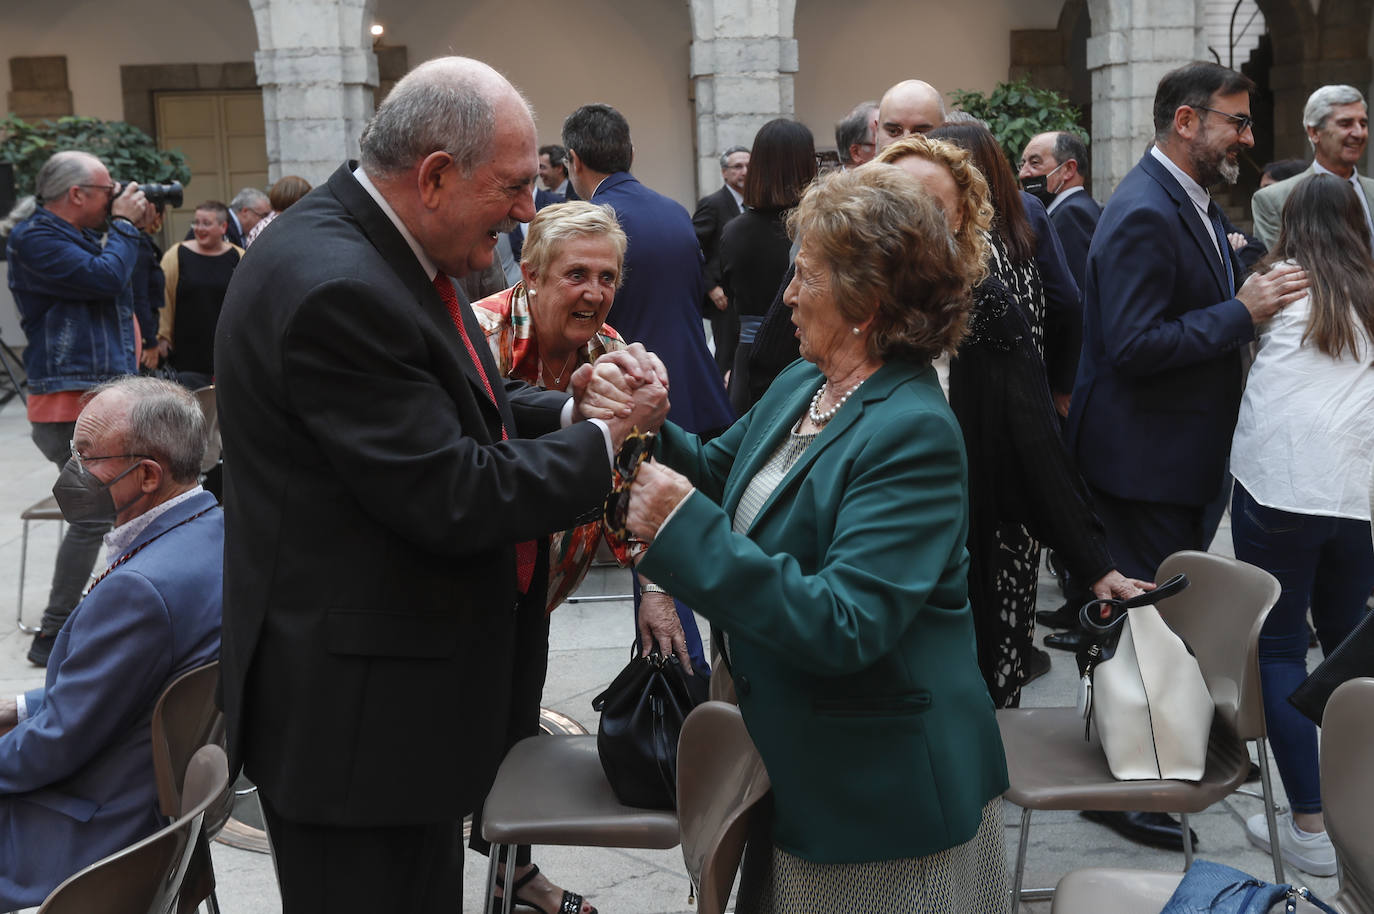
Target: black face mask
(1038,186)
(84,500)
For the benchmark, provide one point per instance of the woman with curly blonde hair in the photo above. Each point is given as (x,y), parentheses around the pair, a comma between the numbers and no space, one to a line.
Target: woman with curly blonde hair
(1021,479)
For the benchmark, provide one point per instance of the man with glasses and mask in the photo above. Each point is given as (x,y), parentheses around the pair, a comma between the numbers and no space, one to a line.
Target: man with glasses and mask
(1165,314)
(76,307)
(76,772)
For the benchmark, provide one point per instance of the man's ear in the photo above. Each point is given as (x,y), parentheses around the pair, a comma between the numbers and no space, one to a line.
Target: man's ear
(433,171)
(153,474)
(1070,169)
(1186,122)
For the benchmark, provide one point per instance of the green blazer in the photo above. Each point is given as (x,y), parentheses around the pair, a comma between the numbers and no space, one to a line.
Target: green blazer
(846,603)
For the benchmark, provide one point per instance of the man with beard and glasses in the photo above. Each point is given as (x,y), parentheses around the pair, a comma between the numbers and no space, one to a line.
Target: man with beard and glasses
(1336,119)
(1165,317)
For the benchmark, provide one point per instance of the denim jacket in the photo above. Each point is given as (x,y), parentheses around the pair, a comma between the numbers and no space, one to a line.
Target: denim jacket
(75,301)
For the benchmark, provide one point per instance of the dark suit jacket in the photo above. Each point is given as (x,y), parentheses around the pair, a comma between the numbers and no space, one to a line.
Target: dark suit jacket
(660,303)
(373,512)
(1159,379)
(846,602)
(713,211)
(76,776)
(1063,303)
(1074,221)
(542,198)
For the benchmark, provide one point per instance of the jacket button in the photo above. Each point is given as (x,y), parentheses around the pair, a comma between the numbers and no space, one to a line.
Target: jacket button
(742,685)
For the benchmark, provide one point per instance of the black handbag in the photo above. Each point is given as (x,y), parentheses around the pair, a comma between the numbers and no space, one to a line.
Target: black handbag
(642,712)
(1352,658)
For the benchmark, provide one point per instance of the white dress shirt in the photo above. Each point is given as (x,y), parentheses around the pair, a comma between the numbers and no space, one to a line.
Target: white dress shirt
(1196,193)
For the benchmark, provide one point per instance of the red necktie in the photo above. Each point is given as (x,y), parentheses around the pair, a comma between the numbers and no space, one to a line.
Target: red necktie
(524,552)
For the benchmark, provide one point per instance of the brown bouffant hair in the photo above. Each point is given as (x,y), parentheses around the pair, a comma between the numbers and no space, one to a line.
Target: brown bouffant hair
(885,242)
(286,191)
(974,202)
(1323,230)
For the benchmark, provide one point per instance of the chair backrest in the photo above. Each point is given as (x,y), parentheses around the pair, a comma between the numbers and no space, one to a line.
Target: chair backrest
(205,396)
(1220,616)
(720,777)
(184,719)
(145,877)
(1347,758)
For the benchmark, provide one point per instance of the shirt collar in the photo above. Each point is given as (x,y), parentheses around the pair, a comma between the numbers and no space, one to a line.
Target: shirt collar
(428,265)
(739,197)
(1195,191)
(1321,169)
(1063,195)
(118,540)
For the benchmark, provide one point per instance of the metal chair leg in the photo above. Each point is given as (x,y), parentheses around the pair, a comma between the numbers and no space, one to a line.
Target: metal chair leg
(493,855)
(212,902)
(508,893)
(1187,842)
(1020,862)
(1267,786)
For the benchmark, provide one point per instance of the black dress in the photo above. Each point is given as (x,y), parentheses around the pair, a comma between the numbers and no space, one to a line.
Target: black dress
(754,255)
(1022,485)
(201,283)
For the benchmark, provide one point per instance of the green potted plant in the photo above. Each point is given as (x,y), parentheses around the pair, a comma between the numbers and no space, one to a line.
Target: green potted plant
(128,152)
(1016,111)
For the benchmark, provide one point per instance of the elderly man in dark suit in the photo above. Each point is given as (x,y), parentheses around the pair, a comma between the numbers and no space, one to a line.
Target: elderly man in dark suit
(713,211)
(1165,317)
(76,764)
(389,498)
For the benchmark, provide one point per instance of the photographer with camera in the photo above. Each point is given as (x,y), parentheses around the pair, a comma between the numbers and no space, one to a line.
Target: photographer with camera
(76,307)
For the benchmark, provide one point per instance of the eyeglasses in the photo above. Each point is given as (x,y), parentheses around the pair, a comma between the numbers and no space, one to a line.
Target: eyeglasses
(633,452)
(1242,122)
(108,188)
(260,215)
(739,167)
(82,461)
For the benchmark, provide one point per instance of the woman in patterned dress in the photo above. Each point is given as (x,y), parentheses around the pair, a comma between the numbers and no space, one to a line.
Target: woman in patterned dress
(1021,478)
(824,534)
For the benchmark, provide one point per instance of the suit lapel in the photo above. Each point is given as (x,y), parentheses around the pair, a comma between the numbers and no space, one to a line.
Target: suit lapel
(1192,221)
(385,237)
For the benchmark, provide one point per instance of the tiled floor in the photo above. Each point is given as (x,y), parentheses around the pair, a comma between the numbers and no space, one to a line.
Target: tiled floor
(590,643)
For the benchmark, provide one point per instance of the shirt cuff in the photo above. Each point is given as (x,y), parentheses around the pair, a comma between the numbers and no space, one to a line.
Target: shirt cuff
(566,419)
(21,706)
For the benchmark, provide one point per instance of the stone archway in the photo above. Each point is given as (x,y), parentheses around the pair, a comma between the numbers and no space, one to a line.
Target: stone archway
(744,55)
(317,72)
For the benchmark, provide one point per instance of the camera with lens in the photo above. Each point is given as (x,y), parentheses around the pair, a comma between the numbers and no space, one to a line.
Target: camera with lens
(169,194)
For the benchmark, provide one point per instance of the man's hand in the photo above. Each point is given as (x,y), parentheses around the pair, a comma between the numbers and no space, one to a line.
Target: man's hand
(151,356)
(1062,403)
(606,389)
(1266,294)
(1238,240)
(655,492)
(9,715)
(659,625)
(719,298)
(131,204)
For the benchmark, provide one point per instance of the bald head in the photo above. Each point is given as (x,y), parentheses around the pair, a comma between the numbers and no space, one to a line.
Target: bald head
(449,103)
(912,106)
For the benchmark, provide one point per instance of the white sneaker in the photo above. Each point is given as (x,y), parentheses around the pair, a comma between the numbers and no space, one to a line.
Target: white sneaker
(1313,854)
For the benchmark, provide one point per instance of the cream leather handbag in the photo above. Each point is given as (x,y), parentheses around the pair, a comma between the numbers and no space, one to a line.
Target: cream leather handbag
(1148,700)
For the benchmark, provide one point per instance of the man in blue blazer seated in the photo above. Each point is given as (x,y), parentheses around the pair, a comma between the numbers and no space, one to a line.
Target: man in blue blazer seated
(1164,318)
(76,765)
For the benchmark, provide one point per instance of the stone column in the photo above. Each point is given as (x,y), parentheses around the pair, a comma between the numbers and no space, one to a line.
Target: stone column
(317,72)
(743,61)
(1133,44)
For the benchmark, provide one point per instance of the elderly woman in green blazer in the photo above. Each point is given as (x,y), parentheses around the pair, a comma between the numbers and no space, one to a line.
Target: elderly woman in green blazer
(824,533)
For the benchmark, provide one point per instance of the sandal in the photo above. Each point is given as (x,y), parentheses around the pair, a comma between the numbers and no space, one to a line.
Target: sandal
(572,902)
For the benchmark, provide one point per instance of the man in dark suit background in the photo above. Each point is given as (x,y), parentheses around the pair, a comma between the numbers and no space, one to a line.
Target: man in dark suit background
(510,247)
(389,498)
(713,211)
(1164,319)
(553,171)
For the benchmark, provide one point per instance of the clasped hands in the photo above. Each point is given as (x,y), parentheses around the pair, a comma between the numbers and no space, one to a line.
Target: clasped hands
(627,389)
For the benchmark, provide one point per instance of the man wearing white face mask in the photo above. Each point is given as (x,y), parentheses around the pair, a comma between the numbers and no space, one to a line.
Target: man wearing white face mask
(76,771)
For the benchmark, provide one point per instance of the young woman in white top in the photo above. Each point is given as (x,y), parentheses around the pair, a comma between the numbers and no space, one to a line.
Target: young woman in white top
(1301,458)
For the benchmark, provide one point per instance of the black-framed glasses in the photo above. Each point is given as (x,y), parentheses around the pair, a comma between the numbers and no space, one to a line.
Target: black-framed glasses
(633,452)
(1242,122)
(82,461)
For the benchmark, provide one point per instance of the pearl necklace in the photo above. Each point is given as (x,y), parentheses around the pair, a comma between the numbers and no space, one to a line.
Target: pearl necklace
(820,418)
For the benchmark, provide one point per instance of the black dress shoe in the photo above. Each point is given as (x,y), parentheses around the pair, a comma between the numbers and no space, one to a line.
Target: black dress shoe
(1065,616)
(1037,665)
(1156,829)
(41,649)
(1071,640)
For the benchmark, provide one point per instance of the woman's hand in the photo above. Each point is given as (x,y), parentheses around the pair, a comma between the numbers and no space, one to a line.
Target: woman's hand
(1115,585)
(655,492)
(659,625)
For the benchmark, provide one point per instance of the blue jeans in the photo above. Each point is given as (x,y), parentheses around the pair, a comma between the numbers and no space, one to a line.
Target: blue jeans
(1326,563)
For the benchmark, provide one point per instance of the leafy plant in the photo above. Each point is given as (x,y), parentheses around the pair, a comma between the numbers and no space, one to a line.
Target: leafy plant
(128,152)
(1017,111)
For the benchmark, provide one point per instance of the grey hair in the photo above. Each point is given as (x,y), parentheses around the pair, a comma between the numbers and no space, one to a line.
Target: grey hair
(553,225)
(1068,146)
(165,422)
(248,198)
(63,171)
(725,156)
(1321,103)
(856,127)
(960,116)
(423,114)
(22,210)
